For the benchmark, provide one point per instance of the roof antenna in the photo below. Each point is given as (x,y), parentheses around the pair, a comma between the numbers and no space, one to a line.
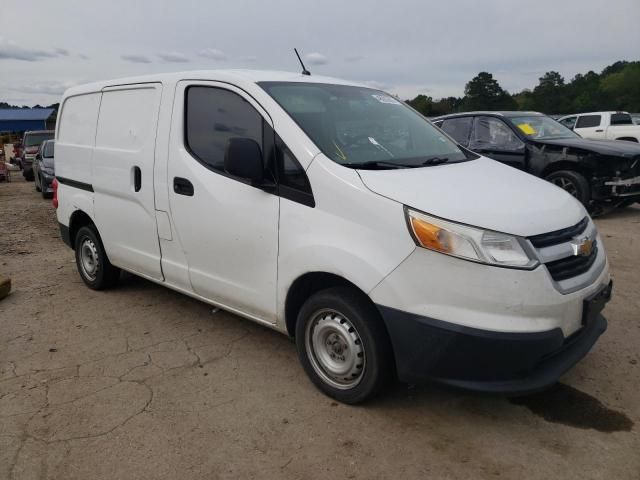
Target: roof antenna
(304,70)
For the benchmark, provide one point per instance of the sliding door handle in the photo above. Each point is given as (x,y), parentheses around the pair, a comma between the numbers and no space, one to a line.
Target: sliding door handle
(182,186)
(137,179)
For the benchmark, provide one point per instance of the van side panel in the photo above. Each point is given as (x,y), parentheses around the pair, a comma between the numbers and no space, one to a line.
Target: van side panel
(351,232)
(75,138)
(123,177)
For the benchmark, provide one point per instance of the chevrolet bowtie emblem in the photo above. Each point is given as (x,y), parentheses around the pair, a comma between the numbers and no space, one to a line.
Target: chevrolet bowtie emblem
(582,247)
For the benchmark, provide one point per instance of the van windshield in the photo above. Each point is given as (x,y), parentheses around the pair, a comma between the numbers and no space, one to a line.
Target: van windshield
(360,127)
(35,139)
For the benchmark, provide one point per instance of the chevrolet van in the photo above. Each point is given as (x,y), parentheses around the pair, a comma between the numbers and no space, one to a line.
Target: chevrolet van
(337,215)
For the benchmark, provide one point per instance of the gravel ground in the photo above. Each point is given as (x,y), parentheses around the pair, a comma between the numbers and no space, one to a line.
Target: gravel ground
(142,382)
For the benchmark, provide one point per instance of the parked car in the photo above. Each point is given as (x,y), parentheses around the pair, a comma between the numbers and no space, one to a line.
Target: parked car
(43,168)
(603,126)
(598,173)
(31,142)
(337,215)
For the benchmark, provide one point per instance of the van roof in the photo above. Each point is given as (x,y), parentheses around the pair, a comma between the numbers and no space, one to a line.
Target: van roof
(240,76)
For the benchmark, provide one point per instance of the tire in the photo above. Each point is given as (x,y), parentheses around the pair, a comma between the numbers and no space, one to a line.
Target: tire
(92,262)
(573,183)
(38,187)
(341,328)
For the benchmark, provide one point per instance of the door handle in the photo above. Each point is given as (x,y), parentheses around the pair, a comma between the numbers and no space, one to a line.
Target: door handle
(137,179)
(599,131)
(182,186)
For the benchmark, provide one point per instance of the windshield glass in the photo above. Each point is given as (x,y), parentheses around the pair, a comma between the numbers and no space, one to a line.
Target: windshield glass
(35,139)
(357,125)
(540,127)
(48,149)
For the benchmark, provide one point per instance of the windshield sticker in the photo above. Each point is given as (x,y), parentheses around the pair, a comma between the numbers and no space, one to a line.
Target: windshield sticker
(527,129)
(386,99)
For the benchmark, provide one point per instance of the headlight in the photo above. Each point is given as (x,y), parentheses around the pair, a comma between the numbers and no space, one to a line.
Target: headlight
(470,243)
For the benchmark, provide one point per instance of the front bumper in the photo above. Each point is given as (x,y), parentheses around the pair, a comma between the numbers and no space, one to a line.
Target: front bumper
(486,328)
(480,360)
(621,188)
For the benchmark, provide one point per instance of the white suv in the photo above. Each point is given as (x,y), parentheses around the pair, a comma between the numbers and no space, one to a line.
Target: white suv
(336,214)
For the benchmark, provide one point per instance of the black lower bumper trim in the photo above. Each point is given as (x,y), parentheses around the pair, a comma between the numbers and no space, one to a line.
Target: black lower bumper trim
(65,234)
(510,363)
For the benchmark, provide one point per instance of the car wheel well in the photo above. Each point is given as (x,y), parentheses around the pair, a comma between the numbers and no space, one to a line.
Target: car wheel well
(628,139)
(562,165)
(305,286)
(78,220)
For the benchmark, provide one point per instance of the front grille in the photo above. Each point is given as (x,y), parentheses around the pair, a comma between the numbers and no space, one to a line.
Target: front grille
(559,236)
(573,266)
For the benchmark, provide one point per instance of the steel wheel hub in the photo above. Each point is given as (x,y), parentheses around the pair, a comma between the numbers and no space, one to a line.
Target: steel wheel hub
(335,349)
(89,258)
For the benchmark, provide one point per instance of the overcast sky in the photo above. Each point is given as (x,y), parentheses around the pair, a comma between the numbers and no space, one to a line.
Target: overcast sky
(404,46)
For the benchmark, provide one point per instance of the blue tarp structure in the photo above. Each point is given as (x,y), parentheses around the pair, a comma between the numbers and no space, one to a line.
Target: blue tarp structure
(21,119)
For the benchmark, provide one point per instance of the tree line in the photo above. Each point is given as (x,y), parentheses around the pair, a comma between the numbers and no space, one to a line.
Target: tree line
(617,87)
(7,105)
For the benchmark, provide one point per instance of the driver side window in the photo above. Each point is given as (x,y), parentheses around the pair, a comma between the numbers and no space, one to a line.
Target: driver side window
(493,133)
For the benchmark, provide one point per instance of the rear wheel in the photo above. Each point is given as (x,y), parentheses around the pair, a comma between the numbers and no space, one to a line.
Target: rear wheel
(92,262)
(573,183)
(343,345)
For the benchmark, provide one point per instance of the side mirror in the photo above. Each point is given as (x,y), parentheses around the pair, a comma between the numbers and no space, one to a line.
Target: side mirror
(38,157)
(243,158)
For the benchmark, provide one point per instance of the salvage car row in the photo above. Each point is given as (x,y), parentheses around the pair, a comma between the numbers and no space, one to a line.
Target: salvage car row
(34,156)
(599,172)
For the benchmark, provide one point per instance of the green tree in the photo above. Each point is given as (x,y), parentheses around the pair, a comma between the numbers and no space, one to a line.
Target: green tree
(623,88)
(484,92)
(422,104)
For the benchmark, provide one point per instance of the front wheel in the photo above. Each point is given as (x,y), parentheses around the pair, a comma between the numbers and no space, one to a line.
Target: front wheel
(91,259)
(573,183)
(343,345)
(38,183)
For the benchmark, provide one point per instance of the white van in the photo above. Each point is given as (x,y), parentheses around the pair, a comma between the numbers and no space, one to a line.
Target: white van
(337,215)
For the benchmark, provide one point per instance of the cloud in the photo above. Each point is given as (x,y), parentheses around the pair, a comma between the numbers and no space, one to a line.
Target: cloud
(136,58)
(9,50)
(354,59)
(213,53)
(316,58)
(173,57)
(83,56)
(44,88)
(375,84)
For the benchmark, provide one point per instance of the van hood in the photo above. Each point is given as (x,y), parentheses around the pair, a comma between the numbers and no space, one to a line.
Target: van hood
(483,193)
(614,148)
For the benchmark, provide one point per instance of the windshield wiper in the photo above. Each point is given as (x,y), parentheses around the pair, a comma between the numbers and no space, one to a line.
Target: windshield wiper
(378,164)
(435,161)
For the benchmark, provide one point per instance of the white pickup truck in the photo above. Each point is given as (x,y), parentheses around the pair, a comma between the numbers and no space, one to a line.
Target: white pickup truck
(603,126)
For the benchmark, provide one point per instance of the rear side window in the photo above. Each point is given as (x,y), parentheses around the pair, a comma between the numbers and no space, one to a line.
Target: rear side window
(621,119)
(588,121)
(78,120)
(213,116)
(459,129)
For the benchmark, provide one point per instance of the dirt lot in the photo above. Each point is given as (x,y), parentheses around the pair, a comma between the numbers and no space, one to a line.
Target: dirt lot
(141,382)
